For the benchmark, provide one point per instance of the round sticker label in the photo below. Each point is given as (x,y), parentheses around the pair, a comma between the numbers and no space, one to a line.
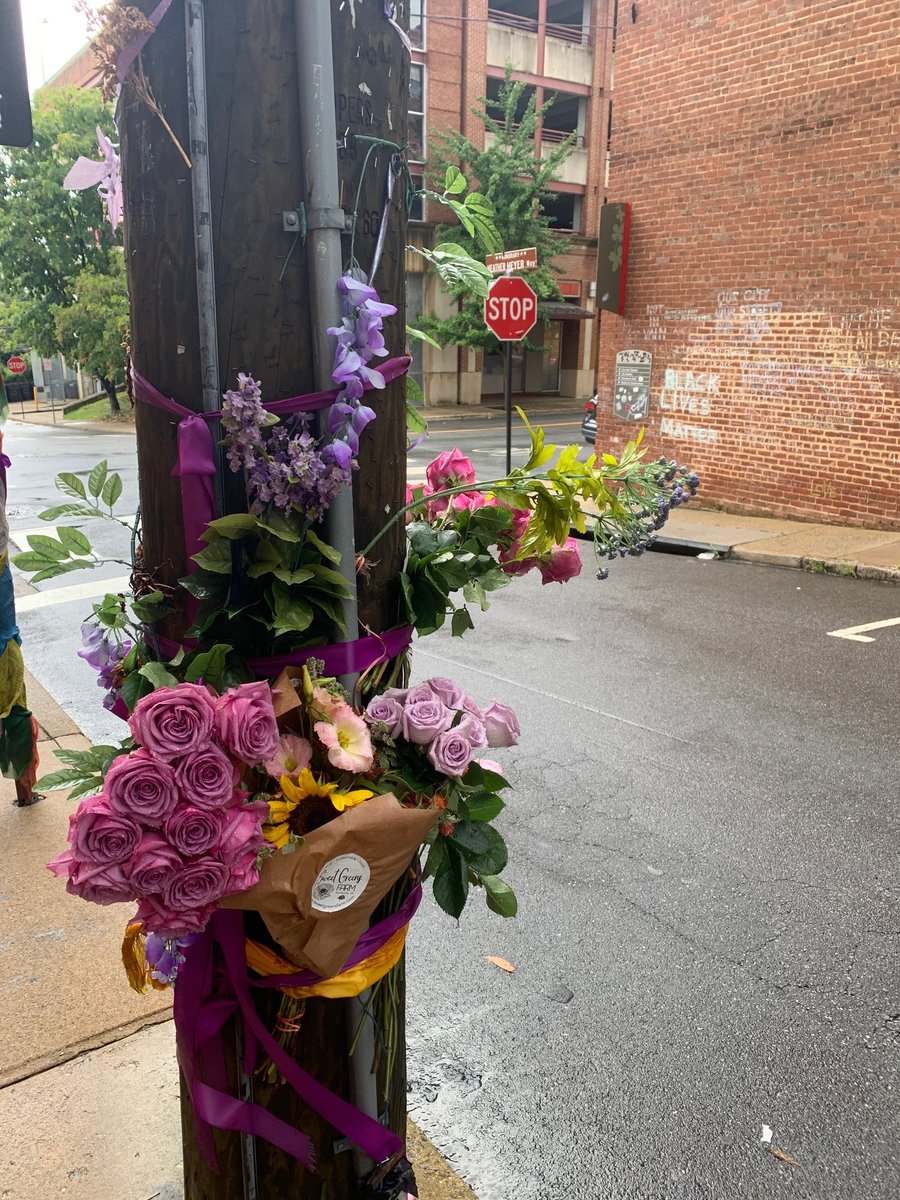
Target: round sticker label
(341,881)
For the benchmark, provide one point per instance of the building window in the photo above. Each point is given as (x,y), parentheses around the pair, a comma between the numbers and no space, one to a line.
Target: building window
(416,134)
(417,202)
(564,115)
(564,211)
(567,19)
(495,110)
(416,10)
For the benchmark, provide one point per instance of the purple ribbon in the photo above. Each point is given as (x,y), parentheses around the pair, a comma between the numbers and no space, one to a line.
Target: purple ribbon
(340,658)
(212,984)
(196,466)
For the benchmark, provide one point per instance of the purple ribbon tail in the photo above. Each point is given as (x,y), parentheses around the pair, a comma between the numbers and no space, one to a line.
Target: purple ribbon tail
(132,48)
(196,469)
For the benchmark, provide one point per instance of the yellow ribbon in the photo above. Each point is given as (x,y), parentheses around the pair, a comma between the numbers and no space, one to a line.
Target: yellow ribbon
(264,961)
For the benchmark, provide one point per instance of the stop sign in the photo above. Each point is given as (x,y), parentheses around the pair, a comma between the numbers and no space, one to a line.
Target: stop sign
(510,309)
(16,365)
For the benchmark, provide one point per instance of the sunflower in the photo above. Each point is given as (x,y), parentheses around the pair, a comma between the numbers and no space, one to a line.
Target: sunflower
(277,830)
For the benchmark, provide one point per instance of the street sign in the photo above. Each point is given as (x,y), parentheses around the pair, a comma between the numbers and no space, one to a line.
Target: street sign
(15,107)
(512,260)
(510,309)
(16,365)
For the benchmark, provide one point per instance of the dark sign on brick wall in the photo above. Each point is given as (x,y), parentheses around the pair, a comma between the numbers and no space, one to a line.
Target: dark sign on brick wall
(612,256)
(15,107)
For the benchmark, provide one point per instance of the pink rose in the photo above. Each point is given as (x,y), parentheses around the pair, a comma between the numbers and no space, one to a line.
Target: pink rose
(196,885)
(245,721)
(99,883)
(511,565)
(447,470)
(501,725)
(193,830)
(207,778)
(488,764)
(241,831)
(174,721)
(564,563)
(450,753)
(466,500)
(244,875)
(99,835)
(139,786)
(159,919)
(154,863)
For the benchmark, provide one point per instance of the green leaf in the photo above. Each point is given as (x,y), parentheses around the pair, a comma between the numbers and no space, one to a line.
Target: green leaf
(488,781)
(57,781)
(206,587)
(484,806)
(279,526)
(481,845)
(71,485)
(454,181)
(216,557)
(501,899)
(237,525)
(415,422)
(422,538)
(112,490)
(208,665)
(30,560)
(87,788)
(451,882)
(67,510)
(421,336)
(74,540)
(62,568)
(265,560)
(460,622)
(97,478)
(135,688)
(291,614)
(323,548)
(50,547)
(437,857)
(293,578)
(158,675)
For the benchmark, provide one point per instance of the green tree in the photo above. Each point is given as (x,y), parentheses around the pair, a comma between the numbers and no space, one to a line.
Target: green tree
(52,239)
(514,182)
(92,330)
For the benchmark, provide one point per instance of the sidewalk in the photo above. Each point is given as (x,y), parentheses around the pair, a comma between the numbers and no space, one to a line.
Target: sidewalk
(88,1079)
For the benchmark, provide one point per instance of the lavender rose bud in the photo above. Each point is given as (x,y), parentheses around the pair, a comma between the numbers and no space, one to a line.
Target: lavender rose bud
(196,885)
(192,830)
(245,720)
(501,724)
(385,709)
(450,753)
(174,721)
(424,719)
(207,778)
(154,863)
(99,835)
(139,786)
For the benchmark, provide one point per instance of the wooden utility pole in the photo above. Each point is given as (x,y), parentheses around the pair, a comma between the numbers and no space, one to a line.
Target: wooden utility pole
(265,326)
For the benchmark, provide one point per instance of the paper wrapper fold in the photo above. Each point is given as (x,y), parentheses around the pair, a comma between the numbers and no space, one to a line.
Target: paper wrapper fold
(382,833)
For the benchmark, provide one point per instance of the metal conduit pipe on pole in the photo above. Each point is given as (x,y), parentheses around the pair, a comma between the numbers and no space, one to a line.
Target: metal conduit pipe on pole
(325,223)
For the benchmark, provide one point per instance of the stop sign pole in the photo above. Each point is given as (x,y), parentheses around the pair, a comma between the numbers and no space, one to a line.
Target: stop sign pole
(510,311)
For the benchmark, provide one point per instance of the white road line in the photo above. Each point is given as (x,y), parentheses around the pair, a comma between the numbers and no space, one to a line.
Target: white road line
(77,591)
(855,633)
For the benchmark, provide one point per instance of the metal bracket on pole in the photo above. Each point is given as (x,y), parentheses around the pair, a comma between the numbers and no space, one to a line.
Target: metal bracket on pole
(328,218)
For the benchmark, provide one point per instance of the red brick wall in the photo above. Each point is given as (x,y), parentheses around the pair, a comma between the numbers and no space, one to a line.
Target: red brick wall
(757,142)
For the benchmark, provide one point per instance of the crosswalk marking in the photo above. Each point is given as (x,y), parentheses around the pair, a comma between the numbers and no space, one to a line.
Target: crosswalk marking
(76,591)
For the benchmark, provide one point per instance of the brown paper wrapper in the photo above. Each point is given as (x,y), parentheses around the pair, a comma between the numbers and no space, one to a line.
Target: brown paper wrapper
(380,833)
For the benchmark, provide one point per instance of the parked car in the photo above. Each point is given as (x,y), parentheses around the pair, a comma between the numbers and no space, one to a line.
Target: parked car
(589,421)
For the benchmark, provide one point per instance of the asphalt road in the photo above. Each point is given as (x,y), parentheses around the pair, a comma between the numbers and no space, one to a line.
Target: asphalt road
(703,837)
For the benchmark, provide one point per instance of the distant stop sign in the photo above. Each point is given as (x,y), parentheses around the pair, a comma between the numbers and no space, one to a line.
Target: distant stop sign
(16,365)
(510,309)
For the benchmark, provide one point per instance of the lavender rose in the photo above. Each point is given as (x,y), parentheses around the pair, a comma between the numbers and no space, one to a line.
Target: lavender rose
(160,920)
(207,778)
(193,830)
(154,863)
(385,709)
(422,691)
(446,691)
(450,753)
(423,720)
(99,835)
(472,730)
(502,725)
(174,721)
(245,721)
(196,885)
(398,694)
(139,786)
